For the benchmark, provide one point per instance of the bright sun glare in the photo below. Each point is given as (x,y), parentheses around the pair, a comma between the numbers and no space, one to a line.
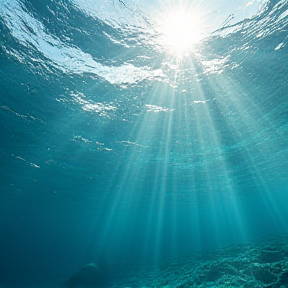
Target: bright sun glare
(181,30)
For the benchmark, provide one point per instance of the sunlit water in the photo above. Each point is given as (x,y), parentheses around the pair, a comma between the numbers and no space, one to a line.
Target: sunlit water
(113,147)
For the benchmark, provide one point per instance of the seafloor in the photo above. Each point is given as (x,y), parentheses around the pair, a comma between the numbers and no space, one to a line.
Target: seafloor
(259,264)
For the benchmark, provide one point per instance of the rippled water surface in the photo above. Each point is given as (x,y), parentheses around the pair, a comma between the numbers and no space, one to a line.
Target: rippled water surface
(114,147)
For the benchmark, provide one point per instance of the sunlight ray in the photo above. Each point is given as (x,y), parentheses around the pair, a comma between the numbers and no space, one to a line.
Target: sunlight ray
(239,104)
(210,135)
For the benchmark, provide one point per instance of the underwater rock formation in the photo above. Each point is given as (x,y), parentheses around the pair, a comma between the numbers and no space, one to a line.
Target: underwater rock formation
(263,263)
(89,276)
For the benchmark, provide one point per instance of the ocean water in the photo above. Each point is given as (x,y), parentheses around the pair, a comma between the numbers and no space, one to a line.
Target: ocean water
(164,171)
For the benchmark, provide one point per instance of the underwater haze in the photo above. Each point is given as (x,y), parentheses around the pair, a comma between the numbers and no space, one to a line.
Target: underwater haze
(119,148)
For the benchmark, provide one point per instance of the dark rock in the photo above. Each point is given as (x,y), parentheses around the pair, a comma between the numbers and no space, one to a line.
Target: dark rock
(90,276)
(284,278)
(270,256)
(264,275)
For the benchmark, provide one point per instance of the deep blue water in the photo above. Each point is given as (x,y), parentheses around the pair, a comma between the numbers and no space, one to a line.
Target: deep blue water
(110,148)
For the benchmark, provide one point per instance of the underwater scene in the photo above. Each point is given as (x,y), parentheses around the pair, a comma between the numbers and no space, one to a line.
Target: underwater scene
(143,143)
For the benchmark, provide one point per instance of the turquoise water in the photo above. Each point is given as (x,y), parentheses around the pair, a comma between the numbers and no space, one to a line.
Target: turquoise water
(112,148)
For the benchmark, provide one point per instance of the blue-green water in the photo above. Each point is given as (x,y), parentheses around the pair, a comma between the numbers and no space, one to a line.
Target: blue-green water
(113,149)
